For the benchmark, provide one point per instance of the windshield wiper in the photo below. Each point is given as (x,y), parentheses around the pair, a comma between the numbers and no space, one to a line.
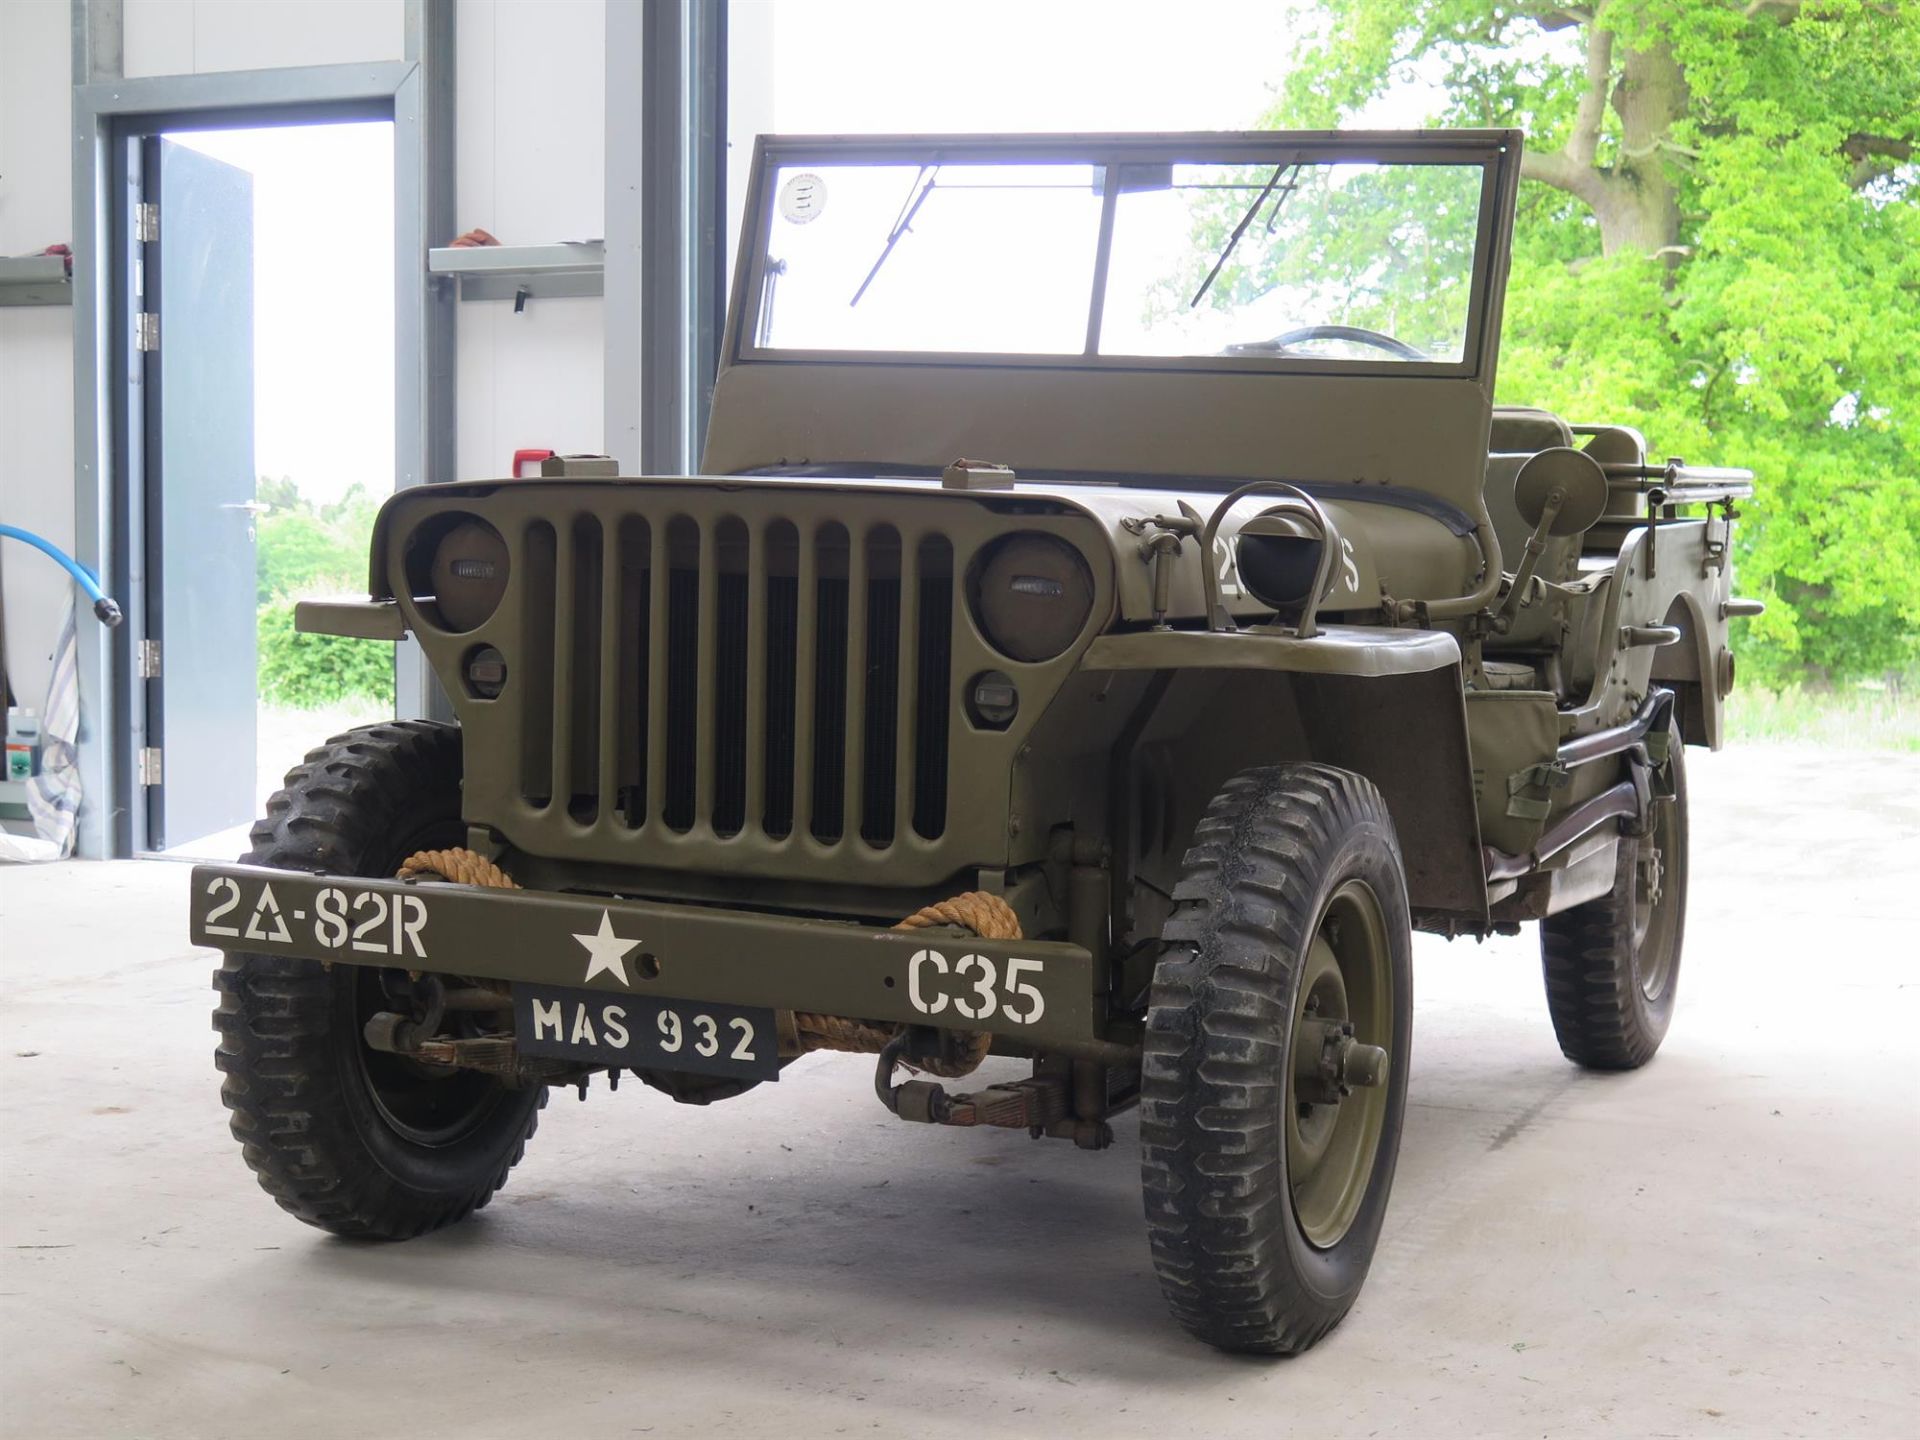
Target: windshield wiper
(922,187)
(1233,240)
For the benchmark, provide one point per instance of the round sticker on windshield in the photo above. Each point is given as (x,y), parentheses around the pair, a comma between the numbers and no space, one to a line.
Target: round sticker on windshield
(802,198)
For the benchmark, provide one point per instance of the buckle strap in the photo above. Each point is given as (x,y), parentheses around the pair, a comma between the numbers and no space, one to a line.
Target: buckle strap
(1548,776)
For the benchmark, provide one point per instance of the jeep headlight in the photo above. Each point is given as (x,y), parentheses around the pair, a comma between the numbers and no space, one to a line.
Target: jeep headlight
(1032,595)
(468,574)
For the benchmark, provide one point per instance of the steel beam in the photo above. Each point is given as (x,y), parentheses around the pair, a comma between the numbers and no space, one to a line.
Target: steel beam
(620,372)
(683,137)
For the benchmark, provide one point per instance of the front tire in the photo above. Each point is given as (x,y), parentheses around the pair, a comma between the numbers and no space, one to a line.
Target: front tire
(1266,1176)
(344,1137)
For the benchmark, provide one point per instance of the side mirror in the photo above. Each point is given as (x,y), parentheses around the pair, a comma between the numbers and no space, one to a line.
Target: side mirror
(1558,492)
(1569,482)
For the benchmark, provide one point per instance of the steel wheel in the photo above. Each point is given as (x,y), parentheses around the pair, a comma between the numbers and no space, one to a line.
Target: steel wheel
(1335,1106)
(1655,907)
(429,1105)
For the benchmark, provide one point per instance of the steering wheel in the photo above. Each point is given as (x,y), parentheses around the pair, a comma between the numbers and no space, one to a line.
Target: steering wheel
(1358,334)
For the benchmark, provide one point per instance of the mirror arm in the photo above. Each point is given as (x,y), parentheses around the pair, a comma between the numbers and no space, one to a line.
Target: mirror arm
(1530,559)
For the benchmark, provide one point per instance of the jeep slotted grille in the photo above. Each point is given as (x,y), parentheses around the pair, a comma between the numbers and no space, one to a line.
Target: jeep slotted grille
(701,674)
(749,681)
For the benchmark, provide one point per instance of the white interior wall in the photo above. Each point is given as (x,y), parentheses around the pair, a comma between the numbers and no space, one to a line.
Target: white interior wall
(531,88)
(36,342)
(198,37)
(530,170)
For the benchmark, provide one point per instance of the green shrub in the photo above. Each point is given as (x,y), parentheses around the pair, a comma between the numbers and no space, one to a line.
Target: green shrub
(310,671)
(1876,715)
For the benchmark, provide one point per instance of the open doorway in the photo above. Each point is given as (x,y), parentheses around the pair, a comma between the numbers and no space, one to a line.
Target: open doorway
(267,399)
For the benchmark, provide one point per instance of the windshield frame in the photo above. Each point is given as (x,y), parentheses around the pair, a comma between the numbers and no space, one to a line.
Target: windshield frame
(1496,152)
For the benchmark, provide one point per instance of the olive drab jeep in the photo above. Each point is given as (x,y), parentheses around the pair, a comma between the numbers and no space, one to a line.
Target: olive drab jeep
(1111,618)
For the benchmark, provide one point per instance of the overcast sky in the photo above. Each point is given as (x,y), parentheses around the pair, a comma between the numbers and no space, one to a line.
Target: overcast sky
(323,299)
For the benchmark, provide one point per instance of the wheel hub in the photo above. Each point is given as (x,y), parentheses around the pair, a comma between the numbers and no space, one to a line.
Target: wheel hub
(1328,1063)
(1652,873)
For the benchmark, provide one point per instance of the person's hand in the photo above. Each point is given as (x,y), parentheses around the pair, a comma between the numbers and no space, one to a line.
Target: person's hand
(473,239)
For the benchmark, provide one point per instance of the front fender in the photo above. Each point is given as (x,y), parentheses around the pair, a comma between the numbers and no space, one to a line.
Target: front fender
(1363,650)
(1387,704)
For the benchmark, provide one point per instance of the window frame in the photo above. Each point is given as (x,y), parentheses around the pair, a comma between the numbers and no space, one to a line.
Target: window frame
(1496,152)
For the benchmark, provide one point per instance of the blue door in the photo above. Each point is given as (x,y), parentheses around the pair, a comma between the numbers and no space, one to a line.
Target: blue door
(200,509)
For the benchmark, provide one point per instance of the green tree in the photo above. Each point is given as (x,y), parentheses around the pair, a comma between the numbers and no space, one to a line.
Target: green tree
(302,547)
(309,671)
(1719,242)
(308,549)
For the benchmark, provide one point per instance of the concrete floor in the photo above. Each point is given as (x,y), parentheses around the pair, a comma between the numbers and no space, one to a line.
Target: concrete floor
(1722,1244)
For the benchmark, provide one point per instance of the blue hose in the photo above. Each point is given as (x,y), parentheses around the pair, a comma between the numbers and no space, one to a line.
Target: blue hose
(105,609)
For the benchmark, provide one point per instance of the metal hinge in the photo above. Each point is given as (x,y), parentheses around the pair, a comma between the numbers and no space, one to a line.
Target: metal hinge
(150,765)
(1714,538)
(147,659)
(146,221)
(146,331)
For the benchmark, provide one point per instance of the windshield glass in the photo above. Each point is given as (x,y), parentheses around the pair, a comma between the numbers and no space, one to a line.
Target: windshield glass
(971,258)
(1361,261)
(1275,260)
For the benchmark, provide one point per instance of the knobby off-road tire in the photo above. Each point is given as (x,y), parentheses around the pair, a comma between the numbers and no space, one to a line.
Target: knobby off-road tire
(346,1138)
(1613,964)
(1293,868)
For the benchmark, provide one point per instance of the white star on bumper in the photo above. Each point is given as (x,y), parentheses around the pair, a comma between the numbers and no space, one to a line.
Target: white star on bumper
(606,951)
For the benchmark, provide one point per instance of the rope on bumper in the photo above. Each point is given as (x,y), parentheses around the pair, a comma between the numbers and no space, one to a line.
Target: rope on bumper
(463,867)
(988,916)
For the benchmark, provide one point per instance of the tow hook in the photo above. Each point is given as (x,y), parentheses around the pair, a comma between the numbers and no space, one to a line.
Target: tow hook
(1041,1104)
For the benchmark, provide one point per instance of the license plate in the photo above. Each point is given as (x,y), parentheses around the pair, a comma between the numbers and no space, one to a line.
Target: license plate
(645,1032)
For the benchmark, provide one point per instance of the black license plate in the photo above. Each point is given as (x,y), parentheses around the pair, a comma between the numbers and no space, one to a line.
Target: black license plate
(597,1028)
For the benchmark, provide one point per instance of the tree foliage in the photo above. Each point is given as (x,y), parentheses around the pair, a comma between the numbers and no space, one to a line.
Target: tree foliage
(305,549)
(1718,241)
(302,547)
(308,672)
(1387,248)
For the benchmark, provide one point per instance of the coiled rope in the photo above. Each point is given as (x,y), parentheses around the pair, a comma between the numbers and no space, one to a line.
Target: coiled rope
(988,916)
(463,867)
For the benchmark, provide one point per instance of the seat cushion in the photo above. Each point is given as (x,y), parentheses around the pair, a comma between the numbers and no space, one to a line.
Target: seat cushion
(1519,428)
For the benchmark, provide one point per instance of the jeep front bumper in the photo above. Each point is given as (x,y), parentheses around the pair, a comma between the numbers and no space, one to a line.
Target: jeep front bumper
(1045,994)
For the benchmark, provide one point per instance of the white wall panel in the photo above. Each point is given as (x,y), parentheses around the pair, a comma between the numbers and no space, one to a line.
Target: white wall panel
(157,37)
(36,343)
(197,37)
(531,83)
(528,381)
(531,89)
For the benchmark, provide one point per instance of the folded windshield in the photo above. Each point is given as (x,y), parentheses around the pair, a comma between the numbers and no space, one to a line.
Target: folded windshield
(1278,259)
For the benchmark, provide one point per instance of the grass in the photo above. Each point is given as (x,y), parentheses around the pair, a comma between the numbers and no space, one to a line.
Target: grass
(1868,716)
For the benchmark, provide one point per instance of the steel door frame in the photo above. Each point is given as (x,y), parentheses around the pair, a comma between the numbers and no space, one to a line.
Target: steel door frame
(109,114)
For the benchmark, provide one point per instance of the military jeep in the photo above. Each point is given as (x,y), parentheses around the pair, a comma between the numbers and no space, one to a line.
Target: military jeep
(1112,617)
